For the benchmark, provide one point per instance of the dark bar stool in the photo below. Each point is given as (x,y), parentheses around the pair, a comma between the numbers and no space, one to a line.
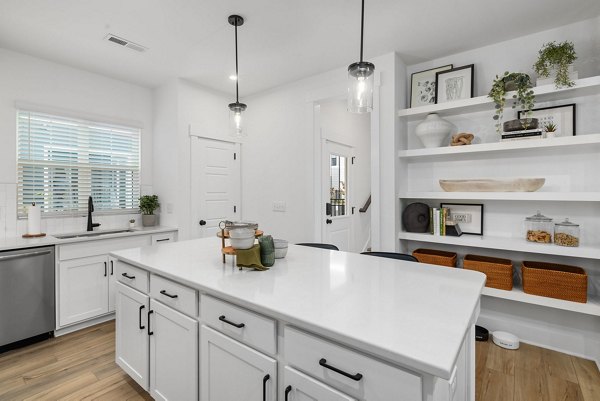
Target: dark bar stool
(392,255)
(322,246)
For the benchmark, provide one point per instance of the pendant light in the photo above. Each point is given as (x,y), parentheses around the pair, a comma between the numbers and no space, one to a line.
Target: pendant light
(360,78)
(237,108)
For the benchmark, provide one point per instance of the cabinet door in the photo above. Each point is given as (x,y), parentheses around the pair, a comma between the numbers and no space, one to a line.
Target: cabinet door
(83,289)
(232,371)
(173,354)
(132,340)
(112,281)
(300,387)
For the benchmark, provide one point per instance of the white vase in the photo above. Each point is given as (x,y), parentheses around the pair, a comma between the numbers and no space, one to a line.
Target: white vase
(434,130)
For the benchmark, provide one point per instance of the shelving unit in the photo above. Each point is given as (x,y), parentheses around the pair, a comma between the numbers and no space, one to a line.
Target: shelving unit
(430,164)
(505,244)
(544,93)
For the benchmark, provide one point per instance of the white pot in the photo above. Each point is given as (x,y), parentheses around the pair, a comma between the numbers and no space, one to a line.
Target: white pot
(573,76)
(434,130)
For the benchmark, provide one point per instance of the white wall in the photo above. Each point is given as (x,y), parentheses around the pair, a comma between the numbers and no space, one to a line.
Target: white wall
(61,89)
(339,125)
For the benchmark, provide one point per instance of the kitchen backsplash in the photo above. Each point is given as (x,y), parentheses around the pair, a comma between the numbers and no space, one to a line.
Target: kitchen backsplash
(10,226)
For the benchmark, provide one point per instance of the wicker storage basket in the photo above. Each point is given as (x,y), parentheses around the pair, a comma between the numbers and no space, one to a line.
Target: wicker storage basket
(499,272)
(555,281)
(435,257)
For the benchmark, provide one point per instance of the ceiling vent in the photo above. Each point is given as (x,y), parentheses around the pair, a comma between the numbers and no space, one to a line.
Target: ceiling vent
(125,43)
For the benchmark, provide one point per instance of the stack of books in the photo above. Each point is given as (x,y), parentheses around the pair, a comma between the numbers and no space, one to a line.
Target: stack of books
(437,220)
(537,133)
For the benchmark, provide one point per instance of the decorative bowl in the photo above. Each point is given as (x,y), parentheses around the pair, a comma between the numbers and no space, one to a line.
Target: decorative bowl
(520,124)
(486,185)
(242,243)
(280,243)
(280,253)
(241,233)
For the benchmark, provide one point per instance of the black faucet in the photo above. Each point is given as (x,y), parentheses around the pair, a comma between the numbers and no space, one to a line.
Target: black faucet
(90,225)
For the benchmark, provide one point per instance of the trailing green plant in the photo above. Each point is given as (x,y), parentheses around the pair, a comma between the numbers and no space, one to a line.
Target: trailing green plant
(148,204)
(550,127)
(556,56)
(523,97)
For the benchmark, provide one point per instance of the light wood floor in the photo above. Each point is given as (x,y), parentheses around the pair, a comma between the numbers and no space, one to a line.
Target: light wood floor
(80,366)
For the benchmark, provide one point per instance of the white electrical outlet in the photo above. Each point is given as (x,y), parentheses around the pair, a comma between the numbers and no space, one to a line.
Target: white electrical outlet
(279,206)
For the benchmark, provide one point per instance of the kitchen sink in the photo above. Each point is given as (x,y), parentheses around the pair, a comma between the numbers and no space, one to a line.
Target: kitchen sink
(91,234)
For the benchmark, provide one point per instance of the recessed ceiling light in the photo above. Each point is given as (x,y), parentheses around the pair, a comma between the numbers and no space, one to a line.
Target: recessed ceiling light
(233,77)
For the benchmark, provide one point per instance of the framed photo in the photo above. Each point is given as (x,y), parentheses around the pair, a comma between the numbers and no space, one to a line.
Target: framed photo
(422,86)
(454,84)
(563,117)
(468,216)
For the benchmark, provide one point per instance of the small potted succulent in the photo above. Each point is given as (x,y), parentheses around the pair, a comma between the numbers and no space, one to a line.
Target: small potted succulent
(523,97)
(148,204)
(556,59)
(131,223)
(550,129)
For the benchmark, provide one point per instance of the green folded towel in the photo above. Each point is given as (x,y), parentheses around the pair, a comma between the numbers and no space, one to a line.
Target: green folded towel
(267,250)
(249,258)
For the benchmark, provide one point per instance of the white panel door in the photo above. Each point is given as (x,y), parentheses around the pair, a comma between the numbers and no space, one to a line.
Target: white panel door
(337,185)
(83,289)
(173,354)
(132,340)
(300,387)
(215,184)
(232,371)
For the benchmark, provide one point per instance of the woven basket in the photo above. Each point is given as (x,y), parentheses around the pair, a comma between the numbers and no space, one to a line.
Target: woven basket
(555,281)
(435,257)
(499,272)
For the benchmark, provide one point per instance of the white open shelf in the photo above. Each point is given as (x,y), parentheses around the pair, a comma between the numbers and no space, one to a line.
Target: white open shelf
(592,307)
(543,93)
(505,243)
(508,196)
(589,142)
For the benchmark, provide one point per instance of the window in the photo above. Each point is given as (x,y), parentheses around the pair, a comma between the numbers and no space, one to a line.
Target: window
(62,161)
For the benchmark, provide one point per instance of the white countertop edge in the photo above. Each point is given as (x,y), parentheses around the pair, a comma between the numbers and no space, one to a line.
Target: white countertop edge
(443,370)
(14,243)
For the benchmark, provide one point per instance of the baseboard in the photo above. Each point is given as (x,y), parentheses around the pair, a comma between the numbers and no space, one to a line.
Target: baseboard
(82,325)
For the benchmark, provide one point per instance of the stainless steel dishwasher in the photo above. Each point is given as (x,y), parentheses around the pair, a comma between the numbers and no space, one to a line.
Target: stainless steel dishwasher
(26,294)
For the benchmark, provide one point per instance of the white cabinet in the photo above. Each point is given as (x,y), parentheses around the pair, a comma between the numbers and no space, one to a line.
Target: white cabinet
(173,354)
(300,387)
(132,340)
(230,370)
(83,287)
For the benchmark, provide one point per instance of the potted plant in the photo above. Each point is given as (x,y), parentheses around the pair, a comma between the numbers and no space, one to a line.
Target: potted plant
(550,129)
(523,97)
(556,59)
(148,204)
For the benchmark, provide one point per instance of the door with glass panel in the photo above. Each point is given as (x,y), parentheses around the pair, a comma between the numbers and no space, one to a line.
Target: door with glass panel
(337,212)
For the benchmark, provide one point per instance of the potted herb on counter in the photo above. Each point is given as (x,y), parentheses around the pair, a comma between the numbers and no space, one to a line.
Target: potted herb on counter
(524,96)
(148,204)
(556,59)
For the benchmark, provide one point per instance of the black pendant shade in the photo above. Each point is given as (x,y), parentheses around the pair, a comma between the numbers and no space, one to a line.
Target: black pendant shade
(360,78)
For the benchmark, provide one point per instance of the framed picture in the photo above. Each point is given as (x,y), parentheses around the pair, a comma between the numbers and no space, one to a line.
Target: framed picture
(563,117)
(468,216)
(454,84)
(422,86)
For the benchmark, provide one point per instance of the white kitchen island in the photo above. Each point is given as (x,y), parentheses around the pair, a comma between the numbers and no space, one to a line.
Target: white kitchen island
(319,324)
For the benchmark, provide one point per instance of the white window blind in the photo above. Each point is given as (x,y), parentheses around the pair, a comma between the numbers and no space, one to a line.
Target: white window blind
(61,161)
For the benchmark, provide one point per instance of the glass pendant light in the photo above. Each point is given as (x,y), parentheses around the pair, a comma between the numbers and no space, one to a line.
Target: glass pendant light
(236,109)
(360,78)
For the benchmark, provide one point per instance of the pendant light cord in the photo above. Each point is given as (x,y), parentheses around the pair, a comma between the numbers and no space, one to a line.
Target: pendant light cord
(362,28)
(237,75)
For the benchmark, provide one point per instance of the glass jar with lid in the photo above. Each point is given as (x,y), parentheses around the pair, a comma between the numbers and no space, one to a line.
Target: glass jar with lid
(539,228)
(566,233)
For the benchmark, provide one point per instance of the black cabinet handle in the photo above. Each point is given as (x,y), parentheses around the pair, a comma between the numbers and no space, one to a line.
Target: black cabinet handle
(128,276)
(112,267)
(356,377)
(140,318)
(105,269)
(288,389)
(149,331)
(202,222)
(163,239)
(328,221)
(224,319)
(265,380)
(166,294)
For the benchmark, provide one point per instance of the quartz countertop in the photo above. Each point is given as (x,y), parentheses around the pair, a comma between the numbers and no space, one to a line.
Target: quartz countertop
(11,243)
(413,314)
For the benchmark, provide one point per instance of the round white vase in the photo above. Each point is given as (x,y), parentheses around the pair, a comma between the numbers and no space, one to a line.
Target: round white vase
(433,131)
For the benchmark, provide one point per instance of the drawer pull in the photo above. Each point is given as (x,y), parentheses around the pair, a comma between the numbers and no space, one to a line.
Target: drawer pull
(224,319)
(265,380)
(166,294)
(140,318)
(288,389)
(356,377)
(163,239)
(128,276)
